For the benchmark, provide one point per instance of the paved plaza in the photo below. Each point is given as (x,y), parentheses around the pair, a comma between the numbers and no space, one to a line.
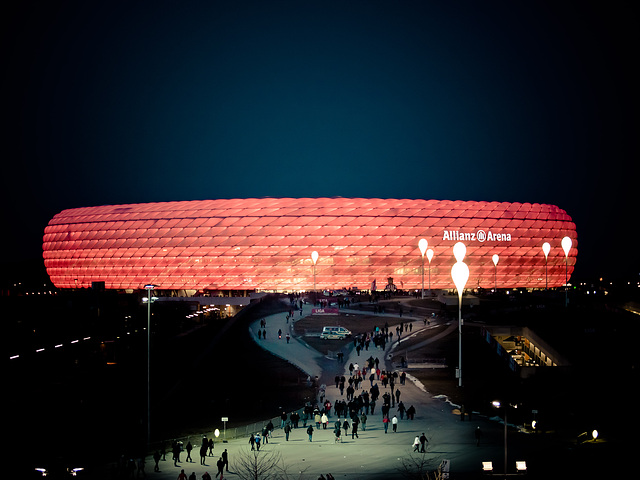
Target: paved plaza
(374,454)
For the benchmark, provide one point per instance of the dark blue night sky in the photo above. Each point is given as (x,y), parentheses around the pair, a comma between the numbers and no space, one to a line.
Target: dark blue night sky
(110,102)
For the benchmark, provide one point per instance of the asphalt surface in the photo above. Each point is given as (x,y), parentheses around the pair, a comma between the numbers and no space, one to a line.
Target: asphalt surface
(374,454)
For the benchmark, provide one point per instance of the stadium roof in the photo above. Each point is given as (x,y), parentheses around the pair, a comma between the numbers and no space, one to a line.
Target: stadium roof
(266,244)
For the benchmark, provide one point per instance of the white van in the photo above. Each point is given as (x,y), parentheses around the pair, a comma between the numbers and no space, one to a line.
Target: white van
(333,333)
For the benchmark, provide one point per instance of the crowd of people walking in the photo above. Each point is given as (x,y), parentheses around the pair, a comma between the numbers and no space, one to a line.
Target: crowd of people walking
(368,399)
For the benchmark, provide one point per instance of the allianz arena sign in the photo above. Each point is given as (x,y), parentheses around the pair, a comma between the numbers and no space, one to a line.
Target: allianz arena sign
(478,236)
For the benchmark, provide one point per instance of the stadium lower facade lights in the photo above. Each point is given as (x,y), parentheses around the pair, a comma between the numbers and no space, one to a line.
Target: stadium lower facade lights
(266,244)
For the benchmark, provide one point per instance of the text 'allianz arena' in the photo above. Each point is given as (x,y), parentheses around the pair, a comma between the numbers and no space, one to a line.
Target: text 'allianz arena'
(266,244)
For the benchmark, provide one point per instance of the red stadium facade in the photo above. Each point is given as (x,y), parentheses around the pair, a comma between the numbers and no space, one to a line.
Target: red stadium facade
(266,244)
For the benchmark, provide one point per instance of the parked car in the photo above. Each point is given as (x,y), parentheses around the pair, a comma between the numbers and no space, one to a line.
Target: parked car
(334,333)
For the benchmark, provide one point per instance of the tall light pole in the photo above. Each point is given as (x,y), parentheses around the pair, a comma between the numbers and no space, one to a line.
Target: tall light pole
(497,404)
(566,246)
(149,288)
(429,257)
(314,257)
(422,245)
(460,275)
(546,248)
(495,259)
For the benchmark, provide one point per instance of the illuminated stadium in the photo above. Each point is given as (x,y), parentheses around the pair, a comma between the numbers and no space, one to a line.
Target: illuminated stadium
(265,244)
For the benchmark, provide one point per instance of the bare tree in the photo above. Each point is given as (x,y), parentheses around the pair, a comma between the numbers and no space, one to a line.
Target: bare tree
(419,467)
(262,465)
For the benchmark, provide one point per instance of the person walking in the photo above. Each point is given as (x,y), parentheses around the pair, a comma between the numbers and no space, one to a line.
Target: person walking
(416,444)
(354,427)
(163,450)
(220,465)
(385,423)
(252,441)
(401,410)
(140,465)
(411,412)
(394,424)
(176,453)
(287,431)
(363,421)
(203,451)
(156,458)
(225,459)
(346,426)
(423,443)
(310,432)
(478,434)
(189,448)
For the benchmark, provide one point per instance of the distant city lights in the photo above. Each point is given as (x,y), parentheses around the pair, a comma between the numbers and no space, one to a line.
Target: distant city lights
(56,346)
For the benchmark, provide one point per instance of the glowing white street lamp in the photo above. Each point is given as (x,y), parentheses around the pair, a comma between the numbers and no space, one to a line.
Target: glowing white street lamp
(546,248)
(566,246)
(429,257)
(460,275)
(495,259)
(422,245)
(314,257)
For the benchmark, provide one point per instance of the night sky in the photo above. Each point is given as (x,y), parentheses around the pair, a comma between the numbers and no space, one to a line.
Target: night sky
(108,102)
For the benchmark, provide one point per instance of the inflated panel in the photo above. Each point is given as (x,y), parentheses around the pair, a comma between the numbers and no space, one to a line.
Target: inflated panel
(266,244)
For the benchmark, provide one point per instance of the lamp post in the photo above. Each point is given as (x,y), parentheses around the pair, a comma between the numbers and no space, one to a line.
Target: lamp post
(566,246)
(497,404)
(149,288)
(224,426)
(495,259)
(460,275)
(546,248)
(422,245)
(314,257)
(429,257)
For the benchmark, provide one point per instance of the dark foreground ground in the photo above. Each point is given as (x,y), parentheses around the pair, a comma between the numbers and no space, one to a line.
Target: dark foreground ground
(76,407)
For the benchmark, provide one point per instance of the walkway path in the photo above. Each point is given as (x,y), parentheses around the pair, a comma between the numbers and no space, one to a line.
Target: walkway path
(374,455)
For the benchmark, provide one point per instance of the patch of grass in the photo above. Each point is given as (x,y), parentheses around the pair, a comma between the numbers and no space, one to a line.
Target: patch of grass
(358,324)
(310,327)
(437,381)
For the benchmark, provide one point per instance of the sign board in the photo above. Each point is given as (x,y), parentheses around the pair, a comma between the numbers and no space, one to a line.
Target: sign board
(325,311)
